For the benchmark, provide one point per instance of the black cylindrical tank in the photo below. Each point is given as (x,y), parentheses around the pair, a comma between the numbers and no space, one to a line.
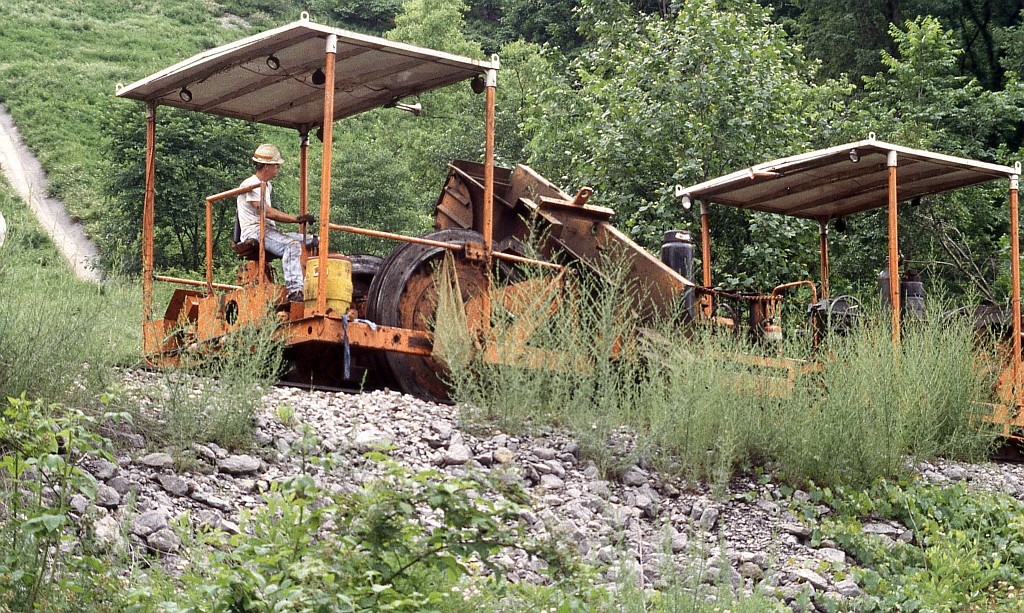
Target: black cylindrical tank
(912,295)
(677,254)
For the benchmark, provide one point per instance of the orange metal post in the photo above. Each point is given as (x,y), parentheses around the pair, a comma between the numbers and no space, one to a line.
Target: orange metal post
(209,247)
(147,221)
(894,251)
(304,185)
(705,253)
(823,244)
(263,233)
(325,175)
(488,221)
(1015,276)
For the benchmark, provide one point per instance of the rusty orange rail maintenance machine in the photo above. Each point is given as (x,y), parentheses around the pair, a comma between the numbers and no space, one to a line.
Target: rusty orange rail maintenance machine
(305,76)
(832,184)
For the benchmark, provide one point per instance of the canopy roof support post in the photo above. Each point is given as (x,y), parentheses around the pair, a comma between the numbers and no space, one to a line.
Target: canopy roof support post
(149,345)
(705,255)
(1015,289)
(209,247)
(325,175)
(488,220)
(894,251)
(823,244)
(263,233)
(304,185)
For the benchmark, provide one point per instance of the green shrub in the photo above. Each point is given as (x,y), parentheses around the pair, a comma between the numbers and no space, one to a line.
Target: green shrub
(47,561)
(965,554)
(310,549)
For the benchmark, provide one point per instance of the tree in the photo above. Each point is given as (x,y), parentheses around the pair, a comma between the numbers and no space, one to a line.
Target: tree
(658,100)
(921,100)
(198,155)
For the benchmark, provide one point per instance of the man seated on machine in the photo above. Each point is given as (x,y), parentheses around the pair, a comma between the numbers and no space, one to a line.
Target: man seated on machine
(286,245)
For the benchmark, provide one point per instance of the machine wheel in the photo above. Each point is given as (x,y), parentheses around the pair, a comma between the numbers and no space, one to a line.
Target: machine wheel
(403,294)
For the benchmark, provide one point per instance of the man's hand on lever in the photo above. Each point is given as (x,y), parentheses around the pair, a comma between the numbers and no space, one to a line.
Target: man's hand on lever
(307,218)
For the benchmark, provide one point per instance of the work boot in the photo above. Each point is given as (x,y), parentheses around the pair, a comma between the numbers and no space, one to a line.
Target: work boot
(296,296)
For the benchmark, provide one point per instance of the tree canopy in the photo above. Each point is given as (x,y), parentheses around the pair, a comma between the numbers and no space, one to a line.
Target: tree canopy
(634,96)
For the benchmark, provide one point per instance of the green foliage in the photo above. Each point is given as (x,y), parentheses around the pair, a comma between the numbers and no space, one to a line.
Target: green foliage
(920,100)
(199,155)
(310,549)
(658,100)
(43,566)
(370,16)
(965,553)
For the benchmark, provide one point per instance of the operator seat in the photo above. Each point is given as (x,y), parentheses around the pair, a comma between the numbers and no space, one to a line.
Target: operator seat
(249,249)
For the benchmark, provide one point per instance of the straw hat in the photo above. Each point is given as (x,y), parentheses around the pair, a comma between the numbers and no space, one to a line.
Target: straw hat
(267,154)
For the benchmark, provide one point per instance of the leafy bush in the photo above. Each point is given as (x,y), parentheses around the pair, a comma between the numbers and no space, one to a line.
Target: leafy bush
(965,553)
(47,562)
(310,549)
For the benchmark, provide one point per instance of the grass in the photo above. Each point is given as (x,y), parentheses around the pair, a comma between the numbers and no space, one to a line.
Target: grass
(60,62)
(59,333)
(686,404)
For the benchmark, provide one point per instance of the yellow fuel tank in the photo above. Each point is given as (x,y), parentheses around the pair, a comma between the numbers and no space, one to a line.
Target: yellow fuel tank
(339,282)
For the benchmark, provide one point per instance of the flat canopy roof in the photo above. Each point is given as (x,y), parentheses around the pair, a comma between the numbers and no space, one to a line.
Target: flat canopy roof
(828,184)
(237,79)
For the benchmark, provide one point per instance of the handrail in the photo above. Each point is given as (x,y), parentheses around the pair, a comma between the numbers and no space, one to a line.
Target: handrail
(191,282)
(439,244)
(814,290)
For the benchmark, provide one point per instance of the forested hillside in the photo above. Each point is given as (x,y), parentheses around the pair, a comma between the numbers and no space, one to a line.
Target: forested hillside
(629,97)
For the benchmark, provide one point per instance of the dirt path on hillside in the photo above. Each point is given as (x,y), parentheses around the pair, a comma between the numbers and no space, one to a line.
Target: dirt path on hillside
(26,175)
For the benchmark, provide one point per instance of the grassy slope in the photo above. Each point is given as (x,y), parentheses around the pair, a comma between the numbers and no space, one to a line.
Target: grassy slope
(55,329)
(60,62)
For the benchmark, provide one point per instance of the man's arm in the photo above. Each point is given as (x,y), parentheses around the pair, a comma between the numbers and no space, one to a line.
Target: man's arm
(281,216)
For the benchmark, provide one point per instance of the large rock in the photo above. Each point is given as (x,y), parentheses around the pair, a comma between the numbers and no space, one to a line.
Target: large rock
(849,588)
(164,540)
(708,518)
(107,496)
(370,439)
(157,460)
(239,465)
(807,575)
(108,534)
(552,482)
(104,470)
(149,522)
(457,454)
(174,485)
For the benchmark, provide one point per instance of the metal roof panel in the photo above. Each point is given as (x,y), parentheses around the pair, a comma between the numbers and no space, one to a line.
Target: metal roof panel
(234,80)
(828,184)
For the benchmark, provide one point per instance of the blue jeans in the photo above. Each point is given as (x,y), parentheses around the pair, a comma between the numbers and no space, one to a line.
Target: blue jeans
(288,246)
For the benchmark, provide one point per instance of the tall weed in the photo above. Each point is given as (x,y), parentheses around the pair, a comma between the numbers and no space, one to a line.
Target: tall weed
(215,392)
(709,403)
